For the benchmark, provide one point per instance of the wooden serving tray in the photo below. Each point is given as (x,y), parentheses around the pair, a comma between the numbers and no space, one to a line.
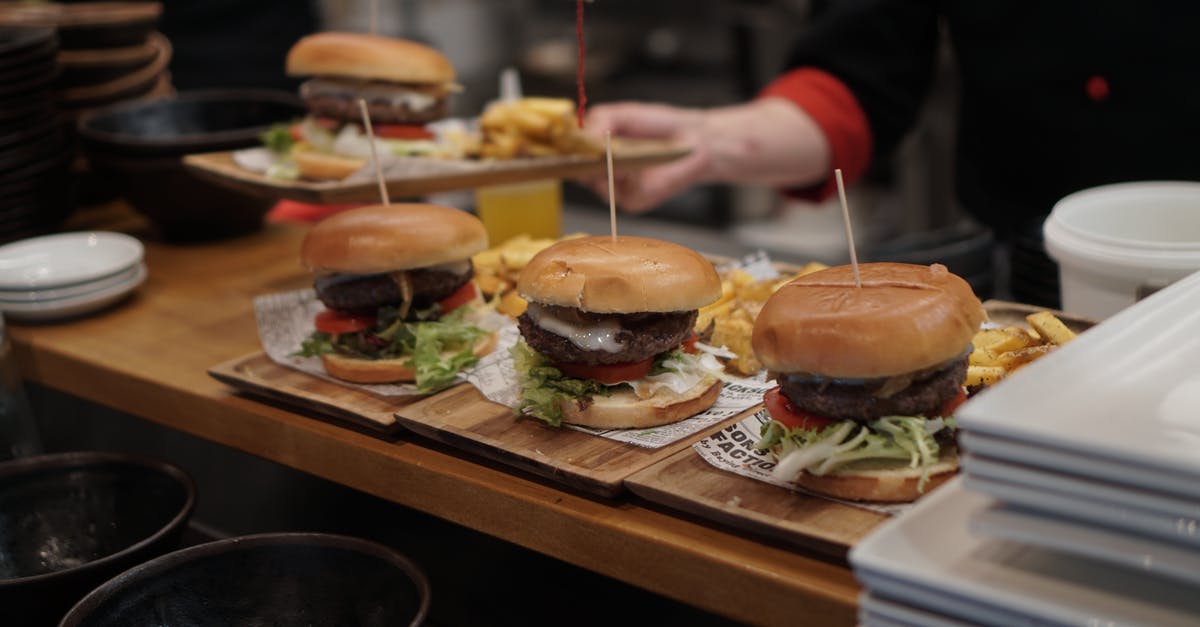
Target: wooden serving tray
(460,417)
(687,483)
(433,175)
(258,375)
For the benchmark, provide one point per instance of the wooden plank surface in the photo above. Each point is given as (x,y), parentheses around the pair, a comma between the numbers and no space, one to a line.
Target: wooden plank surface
(463,418)
(432,176)
(149,357)
(257,374)
(686,482)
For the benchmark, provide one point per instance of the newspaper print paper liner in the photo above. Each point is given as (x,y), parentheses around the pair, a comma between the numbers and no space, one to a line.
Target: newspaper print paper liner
(732,450)
(285,320)
(496,378)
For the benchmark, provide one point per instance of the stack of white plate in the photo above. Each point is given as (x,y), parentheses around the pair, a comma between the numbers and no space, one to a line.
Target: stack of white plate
(1080,500)
(68,274)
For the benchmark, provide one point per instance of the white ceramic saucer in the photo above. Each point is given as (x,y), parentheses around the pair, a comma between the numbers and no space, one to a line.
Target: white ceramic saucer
(65,259)
(57,308)
(68,291)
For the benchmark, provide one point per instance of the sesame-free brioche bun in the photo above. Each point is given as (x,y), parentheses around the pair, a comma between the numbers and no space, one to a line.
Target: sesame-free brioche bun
(356,370)
(627,275)
(369,57)
(904,318)
(622,409)
(325,166)
(899,483)
(383,238)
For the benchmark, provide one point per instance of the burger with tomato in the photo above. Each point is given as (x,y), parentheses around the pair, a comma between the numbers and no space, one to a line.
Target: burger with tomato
(405,85)
(869,378)
(607,338)
(399,301)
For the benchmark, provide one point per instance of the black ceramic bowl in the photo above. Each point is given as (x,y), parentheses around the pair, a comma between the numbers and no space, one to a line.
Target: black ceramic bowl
(69,522)
(284,579)
(140,146)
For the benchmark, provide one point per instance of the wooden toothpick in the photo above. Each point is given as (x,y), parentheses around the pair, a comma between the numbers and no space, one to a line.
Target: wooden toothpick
(383,193)
(612,188)
(849,231)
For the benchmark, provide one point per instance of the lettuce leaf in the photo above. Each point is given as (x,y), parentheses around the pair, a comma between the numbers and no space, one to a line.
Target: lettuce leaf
(437,349)
(887,440)
(278,138)
(544,387)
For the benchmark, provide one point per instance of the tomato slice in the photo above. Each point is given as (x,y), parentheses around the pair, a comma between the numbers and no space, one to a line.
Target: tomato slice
(409,132)
(463,295)
(338,322)
(782,410)
(608,373)
(689,345)
(296,133)
(953,404)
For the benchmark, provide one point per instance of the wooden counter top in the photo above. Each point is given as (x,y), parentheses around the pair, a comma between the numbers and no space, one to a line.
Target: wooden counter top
(149,356)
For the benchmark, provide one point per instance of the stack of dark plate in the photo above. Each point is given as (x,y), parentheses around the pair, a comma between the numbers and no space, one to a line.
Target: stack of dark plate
(36,191)
(110,51)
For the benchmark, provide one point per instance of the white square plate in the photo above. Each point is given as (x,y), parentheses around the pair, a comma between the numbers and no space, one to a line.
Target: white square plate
(933,554)
(1176,520)
(1155,558)
(1127,389)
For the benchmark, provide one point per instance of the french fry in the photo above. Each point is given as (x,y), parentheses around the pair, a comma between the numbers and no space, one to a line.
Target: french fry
(1050,328)
(532,127)
(511,304)
(1015,359)
(979,376)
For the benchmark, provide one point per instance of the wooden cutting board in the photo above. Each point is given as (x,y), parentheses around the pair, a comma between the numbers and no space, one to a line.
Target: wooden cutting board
(462,418)
(258,375)
(432,176)
(686,482)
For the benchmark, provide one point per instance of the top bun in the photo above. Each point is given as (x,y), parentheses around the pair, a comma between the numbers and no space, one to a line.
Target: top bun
(371,57)
(382,238)
(904,318)
(629,275)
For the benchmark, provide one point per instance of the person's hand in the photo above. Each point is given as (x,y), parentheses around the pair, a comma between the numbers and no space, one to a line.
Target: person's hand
(644,189)
(770,141)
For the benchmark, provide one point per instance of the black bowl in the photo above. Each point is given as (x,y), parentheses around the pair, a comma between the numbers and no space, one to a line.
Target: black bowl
(272,579)
(140,146)
(71,521)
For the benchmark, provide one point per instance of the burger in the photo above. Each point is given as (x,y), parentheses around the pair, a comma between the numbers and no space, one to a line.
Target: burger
(607,338)
(869,378)
(399,301)
(405,85)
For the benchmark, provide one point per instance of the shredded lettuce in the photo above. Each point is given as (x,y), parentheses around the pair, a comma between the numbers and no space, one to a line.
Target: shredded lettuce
(890,439)
(544,387)
(278,138)
(437,349)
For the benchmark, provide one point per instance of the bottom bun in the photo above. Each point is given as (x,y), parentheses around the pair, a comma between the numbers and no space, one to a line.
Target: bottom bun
(322,166)
(358,370)
(892,485)
(624,410)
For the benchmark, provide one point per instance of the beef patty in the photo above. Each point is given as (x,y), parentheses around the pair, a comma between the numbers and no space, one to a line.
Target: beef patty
(369,292)
(924,396)
(642,335)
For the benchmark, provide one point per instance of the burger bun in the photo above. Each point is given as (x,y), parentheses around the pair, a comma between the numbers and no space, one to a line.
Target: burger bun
(624,410)
(385,238)
(902,319)
(600,274)
(369,57)
(900,483)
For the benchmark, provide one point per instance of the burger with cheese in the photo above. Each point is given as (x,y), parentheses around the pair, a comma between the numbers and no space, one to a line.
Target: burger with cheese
(606,335)
(869,378)
(399,302)
(405,85)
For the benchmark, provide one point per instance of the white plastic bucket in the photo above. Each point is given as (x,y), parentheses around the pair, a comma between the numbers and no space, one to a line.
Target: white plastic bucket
(1116,244)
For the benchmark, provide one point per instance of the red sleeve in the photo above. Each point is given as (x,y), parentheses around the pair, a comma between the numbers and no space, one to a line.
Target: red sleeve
(835,109)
